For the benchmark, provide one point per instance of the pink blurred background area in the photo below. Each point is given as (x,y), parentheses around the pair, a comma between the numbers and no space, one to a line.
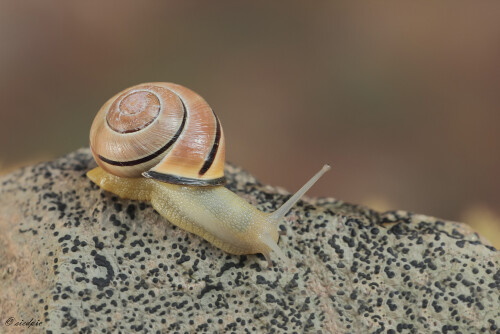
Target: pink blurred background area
(401,98)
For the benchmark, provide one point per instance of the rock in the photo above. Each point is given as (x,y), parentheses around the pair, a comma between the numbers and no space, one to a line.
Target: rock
(78,259)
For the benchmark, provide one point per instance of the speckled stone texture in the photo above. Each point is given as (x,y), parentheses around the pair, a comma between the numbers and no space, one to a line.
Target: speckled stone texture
(82,260)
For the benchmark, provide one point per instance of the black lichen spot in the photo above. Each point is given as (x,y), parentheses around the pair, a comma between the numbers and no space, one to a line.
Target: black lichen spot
(348,241)
(98,245)
(131,211)
(118,207)
(229,265)
(209,288)
(100,282)
(437,307)
(270,298)
(183,258)
(388,272)
(391,305)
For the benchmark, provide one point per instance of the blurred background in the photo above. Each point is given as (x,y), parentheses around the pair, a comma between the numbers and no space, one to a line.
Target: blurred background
(402,99)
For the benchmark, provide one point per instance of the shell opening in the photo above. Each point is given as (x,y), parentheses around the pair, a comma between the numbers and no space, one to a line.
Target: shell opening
(174,179)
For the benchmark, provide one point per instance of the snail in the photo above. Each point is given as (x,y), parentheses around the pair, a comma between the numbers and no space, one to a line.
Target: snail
(162,143)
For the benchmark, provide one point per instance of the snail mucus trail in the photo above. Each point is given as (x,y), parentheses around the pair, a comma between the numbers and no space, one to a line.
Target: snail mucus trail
(162,143)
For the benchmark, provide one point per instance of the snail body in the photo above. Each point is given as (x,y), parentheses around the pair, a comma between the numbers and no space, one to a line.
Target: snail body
(185,188)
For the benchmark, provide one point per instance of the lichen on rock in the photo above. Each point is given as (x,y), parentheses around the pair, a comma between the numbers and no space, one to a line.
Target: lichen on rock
(79,259)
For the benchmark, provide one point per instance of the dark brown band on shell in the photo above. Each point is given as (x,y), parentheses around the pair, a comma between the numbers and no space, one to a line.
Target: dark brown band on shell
(183,180)
(152,155)
(211,156)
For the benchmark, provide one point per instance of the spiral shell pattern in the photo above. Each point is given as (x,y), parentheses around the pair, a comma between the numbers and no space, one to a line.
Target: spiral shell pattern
(159,130)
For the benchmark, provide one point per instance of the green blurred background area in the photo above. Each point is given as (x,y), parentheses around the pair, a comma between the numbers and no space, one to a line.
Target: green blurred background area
(401,98)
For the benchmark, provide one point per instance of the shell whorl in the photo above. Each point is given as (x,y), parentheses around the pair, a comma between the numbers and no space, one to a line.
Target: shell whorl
(162,131)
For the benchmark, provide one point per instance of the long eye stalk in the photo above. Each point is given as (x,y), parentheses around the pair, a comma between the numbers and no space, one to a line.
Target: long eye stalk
(277,215)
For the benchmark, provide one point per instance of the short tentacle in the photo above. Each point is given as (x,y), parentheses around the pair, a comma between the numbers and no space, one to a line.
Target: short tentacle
(277,216)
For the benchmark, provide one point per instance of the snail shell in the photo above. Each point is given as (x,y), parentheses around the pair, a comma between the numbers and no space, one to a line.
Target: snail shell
(159,130)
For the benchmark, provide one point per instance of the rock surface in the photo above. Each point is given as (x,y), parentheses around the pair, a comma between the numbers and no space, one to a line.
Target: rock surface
(78,259)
